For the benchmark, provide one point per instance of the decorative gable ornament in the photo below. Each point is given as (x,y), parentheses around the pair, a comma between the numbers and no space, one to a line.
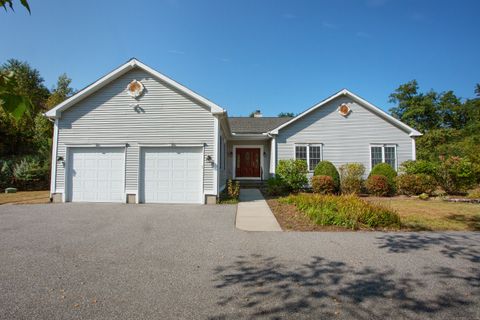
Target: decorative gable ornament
(344,110)
(135,89)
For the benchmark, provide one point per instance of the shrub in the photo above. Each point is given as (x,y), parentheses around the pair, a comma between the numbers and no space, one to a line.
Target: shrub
(293,173)
(351,177)
(323,184)
(326,168)
(456,175)
(6,174)
(276,186)
(233,189)
(423,196)
(415,184)
(346,211)
(474,194)
(384,169)
(30,172)
(378,185)
(418,167)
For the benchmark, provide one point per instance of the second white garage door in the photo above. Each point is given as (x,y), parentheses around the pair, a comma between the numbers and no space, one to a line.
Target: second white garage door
(171,175)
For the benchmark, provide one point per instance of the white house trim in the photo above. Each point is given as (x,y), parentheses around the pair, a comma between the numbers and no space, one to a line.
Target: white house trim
(363,102)
(234,159)
(129,65)
(215,163)
(53,174)
(273,154)
(414,149)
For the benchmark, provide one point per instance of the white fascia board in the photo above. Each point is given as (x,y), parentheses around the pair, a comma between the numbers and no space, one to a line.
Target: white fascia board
(55,112)
(412,132)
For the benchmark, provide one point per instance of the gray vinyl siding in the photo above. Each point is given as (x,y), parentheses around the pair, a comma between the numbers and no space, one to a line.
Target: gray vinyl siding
(163,116)
(266,157)
(344,139)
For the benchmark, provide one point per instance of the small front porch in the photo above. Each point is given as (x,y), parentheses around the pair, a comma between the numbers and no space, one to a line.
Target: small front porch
(251,161)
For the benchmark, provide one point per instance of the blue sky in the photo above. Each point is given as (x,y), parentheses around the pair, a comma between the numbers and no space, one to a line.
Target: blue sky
(256,54)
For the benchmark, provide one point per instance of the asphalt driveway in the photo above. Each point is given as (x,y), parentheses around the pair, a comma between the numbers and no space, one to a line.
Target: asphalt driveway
(106,261)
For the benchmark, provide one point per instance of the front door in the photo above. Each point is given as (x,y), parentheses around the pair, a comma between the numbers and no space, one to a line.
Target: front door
(247,162)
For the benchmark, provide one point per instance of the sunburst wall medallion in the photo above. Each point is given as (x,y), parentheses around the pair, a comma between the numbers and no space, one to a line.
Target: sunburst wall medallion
(135,89)
(344,110)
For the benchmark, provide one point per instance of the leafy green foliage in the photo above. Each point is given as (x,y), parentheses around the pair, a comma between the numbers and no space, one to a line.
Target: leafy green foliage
(6,173)
(378,185)
(326,168)
(323,184)
(456,175)
(276,186)
(29,171)
(9,3)
(286,115)
(233,189)
(12,102)
(384,169)
(412,184)
(351,178)
(346,211)
(419,167)
(293,173)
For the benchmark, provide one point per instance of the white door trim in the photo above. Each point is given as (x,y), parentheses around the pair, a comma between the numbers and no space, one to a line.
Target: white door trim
(234,159)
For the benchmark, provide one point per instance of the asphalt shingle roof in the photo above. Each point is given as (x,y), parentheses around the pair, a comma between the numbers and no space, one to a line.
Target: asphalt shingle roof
(255,125)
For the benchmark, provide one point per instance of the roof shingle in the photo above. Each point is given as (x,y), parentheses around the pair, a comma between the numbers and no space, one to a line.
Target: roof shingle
(255,125)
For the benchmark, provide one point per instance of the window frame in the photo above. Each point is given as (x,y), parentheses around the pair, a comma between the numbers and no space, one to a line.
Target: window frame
(308,145)
(383,146)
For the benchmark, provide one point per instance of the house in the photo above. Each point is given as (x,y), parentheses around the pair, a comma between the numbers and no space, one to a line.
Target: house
(137,136)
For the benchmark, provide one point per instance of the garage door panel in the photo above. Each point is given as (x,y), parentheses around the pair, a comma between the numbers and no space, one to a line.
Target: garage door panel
(96,174)
(171,175)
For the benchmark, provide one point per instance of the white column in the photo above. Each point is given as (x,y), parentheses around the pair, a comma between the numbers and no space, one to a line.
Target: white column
(273,154)
(414,149)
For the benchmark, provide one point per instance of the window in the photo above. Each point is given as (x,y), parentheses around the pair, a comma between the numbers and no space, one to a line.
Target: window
(384,153)
(315,156)
(311,153)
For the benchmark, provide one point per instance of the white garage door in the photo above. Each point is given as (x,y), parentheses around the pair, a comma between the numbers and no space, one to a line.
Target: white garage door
(171,175)
(96,174)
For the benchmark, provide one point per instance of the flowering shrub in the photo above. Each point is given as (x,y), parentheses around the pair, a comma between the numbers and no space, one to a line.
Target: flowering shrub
(378,185)
(323,184)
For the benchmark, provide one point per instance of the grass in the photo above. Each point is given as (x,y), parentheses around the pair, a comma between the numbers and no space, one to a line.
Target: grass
(25,197)
(434,215)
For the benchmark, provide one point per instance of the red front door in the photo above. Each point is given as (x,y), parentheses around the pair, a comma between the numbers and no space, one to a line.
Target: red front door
(247,162)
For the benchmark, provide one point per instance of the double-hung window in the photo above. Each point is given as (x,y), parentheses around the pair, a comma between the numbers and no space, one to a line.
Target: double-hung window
(383,153)
(311,153)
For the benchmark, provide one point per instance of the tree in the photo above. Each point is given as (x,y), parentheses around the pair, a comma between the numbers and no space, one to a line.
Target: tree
(61,92)
(28,83)
(286,114)
(416,109)
(11,102)
(9,3)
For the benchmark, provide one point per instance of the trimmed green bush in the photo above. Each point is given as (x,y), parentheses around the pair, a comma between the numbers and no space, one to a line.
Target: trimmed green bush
(6,174)
(415,184)
(351,178)
(378,185)
(326,168)
(384,169)
(293,173)
(419,167)
(323,184)
(276,186)
(347,211)
(456,175)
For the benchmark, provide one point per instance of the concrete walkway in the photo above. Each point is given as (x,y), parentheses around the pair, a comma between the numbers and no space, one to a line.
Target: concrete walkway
(254,214)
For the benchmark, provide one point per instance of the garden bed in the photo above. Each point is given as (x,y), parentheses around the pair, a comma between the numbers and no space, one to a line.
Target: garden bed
(415,215)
